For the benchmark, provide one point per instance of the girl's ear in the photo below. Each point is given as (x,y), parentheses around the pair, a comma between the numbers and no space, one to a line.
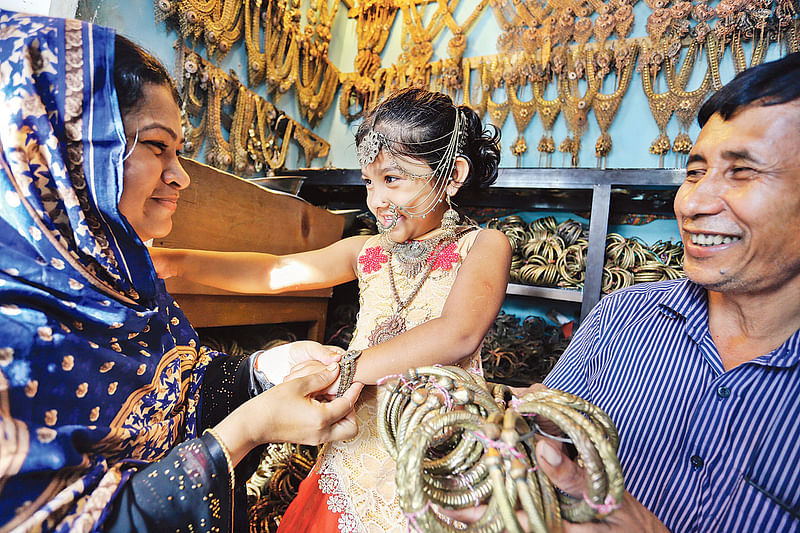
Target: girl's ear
(460,173)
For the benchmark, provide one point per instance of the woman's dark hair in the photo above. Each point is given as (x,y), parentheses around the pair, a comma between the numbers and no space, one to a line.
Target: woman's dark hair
(773,83)
(133,68)
(419,123)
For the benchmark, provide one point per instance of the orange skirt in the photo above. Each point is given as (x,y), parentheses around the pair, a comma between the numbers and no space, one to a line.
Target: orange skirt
(309,512)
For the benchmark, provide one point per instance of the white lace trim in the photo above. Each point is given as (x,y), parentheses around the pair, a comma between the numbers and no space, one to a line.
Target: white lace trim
(338,502)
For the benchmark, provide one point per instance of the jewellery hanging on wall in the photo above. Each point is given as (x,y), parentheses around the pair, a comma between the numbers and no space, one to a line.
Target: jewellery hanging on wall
(522,112)
(259,134)
(576,108)
(477,104)
(451,66)
(685,103)
(219,92)
(218,22)
(548,113)
(373,21)
(254,18)
(498,112)
(538,42)
(239,133)
(607,105)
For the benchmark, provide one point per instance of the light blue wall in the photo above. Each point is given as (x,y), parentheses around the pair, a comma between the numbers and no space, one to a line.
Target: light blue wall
(632,132)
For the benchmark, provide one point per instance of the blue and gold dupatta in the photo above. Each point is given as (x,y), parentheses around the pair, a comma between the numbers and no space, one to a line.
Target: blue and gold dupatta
(99,369)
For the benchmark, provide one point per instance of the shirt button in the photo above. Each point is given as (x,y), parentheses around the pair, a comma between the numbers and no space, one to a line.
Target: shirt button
(697,461)
(723,392)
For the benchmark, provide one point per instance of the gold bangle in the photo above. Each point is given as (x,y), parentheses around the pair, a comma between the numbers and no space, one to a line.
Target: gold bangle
(347,370)
(226,453)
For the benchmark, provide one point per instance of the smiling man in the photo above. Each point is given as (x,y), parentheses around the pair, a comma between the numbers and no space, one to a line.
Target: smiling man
(701,375)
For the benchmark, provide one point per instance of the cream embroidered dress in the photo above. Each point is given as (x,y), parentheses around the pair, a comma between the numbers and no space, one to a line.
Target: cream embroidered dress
(359,475)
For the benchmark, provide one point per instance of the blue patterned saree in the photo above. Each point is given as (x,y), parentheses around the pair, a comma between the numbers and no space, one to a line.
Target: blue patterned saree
(101,376)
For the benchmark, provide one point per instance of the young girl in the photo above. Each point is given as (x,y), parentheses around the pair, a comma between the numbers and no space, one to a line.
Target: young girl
(430,284)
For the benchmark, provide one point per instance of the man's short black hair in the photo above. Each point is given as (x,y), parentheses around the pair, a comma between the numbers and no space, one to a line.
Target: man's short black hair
(773,83)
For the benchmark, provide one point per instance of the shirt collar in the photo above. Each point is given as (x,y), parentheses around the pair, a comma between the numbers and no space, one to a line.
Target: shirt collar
(689,301)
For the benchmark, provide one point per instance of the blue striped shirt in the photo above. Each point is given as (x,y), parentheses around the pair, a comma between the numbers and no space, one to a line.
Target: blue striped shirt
(703,448)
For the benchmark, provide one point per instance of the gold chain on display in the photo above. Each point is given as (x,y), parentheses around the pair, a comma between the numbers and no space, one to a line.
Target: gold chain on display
(259,134)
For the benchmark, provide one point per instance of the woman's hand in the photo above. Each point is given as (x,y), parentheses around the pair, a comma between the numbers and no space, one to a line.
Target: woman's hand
(290,412)
(277,362)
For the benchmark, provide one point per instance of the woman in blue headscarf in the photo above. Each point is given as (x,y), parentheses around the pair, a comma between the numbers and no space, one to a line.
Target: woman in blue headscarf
(111,416)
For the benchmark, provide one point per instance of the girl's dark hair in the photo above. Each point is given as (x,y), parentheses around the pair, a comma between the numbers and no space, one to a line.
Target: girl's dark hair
(418,124)
(773,83)
(133,68)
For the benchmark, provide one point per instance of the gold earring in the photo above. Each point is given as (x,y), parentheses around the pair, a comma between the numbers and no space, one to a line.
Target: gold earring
(450,219)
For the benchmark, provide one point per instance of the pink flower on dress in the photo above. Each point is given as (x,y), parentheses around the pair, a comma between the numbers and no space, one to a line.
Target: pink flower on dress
(372,259)
(446,258)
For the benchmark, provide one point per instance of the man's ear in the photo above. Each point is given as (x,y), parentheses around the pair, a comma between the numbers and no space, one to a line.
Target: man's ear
(460,173)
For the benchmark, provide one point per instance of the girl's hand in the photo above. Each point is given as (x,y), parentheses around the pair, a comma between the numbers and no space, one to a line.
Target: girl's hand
(163,262)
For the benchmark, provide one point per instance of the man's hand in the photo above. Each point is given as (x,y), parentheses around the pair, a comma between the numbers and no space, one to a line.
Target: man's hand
(570,478)
(277,362)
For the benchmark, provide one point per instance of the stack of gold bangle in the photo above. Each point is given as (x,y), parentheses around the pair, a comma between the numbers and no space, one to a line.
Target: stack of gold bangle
(554,255)
(459,442)
(275,483)
(347,370)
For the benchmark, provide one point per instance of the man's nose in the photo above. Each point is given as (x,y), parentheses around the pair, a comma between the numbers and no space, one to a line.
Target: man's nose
(701,197)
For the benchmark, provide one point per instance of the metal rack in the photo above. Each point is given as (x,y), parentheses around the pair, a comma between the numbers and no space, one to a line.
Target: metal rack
(598,183)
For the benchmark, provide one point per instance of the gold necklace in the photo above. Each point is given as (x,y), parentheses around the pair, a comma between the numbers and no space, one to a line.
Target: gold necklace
(276,154)
(238,137)
(219,153)
(313,145)
(661,109)
(352,104)
(607,105)
(548,113)
(420,50)
(479,105)
(685,103)
(256,57)
(523,114)
(576,108)
(451,68)
(225,29)
(498,112)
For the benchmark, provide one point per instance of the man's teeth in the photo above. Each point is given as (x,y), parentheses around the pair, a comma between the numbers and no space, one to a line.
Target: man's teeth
(705,239)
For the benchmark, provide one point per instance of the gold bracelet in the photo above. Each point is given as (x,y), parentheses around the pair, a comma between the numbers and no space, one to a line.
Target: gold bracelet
(226,453)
